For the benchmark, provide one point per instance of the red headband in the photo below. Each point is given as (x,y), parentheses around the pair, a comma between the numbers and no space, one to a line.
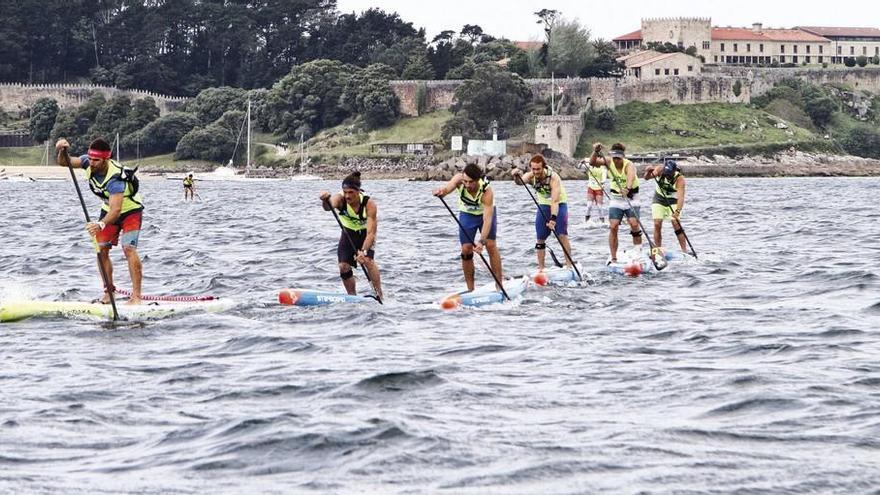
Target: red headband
(99,154)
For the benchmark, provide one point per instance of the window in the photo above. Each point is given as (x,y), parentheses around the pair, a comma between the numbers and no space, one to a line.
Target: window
(722,47)
(716,59)
(839,50)
(852,50)
(675,72)
(821,48)
(807,59)
(749,47)
(795,48)
(690,68)
(782,59)
(761,48)
(781,48)
(656,72)
(820,58)
(877,51)
(735,47)
(864,50)
(666,72)
(706,45)
(794,59)
(808,48)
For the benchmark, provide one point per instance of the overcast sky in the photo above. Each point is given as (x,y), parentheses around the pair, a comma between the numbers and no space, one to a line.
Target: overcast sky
(515,19)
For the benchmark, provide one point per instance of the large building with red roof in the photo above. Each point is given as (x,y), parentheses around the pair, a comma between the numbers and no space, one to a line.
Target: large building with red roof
(756,45)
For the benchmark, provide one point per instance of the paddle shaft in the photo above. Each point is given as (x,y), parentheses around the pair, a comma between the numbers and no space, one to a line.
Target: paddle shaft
(639,220)
(488,267)
(355,249)
(547,220)
(82,202)
(680,226)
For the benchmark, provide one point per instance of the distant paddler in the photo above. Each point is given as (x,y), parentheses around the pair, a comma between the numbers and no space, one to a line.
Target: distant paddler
(597,177)
(668,200)
(624,194)
(121,210)
(552,202)
(357,215)
(476,213)
(189,188)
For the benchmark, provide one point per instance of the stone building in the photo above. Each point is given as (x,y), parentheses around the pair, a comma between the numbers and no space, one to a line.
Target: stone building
(649,64)
(848,42)
(756,45)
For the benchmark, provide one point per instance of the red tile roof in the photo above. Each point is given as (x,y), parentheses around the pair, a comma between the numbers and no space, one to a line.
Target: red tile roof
(745,34)
(792,35)
(633,36)
(529,45)
(860,32)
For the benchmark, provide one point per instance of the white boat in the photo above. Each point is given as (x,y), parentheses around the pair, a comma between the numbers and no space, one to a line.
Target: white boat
(228,172)
(15,177)
(303,162)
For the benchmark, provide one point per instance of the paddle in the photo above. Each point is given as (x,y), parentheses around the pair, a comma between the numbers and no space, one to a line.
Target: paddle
(680,226)
(653,257)
(355,249)
(488,267)
(82,203)
(547,220)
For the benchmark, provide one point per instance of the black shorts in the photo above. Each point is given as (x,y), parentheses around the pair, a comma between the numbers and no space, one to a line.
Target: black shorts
(344,253)
(187,187)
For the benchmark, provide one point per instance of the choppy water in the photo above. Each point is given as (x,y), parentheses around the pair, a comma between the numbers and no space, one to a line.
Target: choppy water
(755,370)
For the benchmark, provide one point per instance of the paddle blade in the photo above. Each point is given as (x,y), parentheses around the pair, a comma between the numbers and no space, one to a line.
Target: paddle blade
(555,259)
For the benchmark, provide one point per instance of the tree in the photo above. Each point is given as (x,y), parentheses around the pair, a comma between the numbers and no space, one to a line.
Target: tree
(400,54)
(519,64)
(369,95)
(862,60)
(548,18)
(211,103)
(214,143)
(463,71)
(604,63)
(862,140)
(418,68)
(459,125)
(473,33)
(43,115)
(446,52)
(570,50)
(849,62)
(163,134)
(307,99)
(820,109)
(143,111)
(110,116)
(493,94)
(606,119)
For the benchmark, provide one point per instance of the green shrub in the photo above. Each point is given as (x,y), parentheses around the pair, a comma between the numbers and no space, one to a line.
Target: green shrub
(606,119)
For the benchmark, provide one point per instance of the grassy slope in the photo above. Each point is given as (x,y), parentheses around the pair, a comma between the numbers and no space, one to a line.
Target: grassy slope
(647,127)
(31,156)
(336,141)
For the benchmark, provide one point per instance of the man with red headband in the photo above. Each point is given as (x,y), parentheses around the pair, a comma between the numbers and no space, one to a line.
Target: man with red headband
(121,210)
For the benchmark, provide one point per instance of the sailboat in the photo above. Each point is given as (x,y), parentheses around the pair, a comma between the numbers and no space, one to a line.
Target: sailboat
(303,161)
(227,172)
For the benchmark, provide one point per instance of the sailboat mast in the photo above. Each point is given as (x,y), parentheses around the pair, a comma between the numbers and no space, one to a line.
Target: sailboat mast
(247,164)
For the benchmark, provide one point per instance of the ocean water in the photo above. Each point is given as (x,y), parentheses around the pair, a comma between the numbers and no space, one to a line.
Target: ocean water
(754,370)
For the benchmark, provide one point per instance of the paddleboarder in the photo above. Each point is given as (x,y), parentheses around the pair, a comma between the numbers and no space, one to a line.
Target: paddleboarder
(552,213)
(668,200)
(624,194)
(121,211)
(189,188)
(358,216)
(476,213)
(595,196)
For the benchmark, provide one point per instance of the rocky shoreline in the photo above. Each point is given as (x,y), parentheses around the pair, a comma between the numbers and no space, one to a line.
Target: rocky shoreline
(426,168)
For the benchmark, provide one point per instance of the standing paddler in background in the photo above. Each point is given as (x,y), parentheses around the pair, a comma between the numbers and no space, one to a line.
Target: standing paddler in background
(668,200)
(595,193)
(624,194)
(476,213)
(358,216)
(552,213)
(189,188)
(121,210)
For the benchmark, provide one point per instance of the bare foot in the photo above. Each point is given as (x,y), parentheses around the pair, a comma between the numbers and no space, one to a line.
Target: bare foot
(133,301)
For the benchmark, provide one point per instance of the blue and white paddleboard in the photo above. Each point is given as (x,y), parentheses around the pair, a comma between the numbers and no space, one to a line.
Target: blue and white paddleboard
(486,295)
(556,276)
(307,297)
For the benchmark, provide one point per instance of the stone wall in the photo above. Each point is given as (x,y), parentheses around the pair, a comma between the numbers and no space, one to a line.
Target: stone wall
(761,80)
(683,90)
(559,132)
(15,98)
(682,31)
